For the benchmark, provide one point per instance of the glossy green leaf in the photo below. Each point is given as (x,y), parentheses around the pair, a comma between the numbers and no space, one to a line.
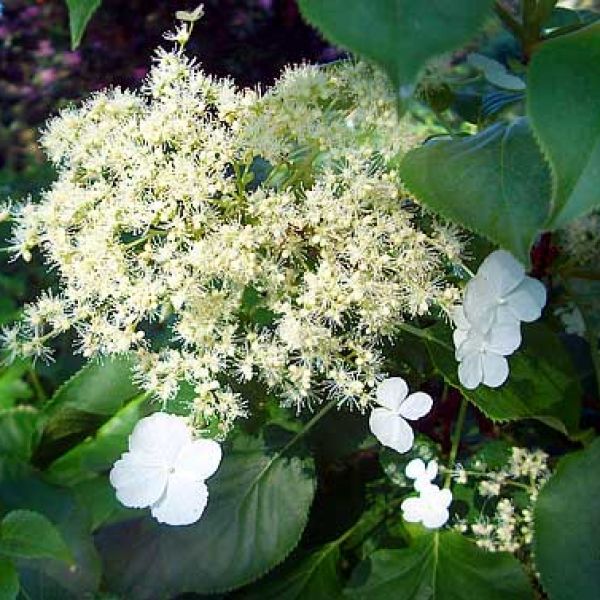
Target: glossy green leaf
(9,580)
(28,534)
(315,577)
(440,566)
(19,431)
(563,92)
(98,453)
(495,183)
(21,488)
(542,384)
(98,497)
(13,386)
(80,13)
(90,397)
(399,35)
(257,509)
(567,528)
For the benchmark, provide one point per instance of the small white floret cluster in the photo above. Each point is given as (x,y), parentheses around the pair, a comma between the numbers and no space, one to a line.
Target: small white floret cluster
(496,300)
(430,507)
(165,469)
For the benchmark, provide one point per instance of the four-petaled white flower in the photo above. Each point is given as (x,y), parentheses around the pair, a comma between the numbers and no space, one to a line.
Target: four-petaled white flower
(388,422)
(165,469)
(430,507)
(501,292)
(481,355)
(496,300)
(421,473)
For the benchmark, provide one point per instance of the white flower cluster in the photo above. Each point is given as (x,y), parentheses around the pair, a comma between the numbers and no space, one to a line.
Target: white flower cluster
(496,300)
(430,507)
(165,469)
(224,236)
(388,422)
(509,527)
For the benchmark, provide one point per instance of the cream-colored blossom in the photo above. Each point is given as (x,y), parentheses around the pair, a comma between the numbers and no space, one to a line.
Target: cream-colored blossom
(257,236)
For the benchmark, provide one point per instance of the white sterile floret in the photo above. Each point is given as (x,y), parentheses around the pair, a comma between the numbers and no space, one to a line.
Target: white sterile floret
(429,508)
(422,474)
(388,422)
(496,300)
(481,355)
(501,292)
(165,469)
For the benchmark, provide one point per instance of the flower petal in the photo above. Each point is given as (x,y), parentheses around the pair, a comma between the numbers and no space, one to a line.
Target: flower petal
(480,302)
(182,503)
(412,510)
(528,299)
(137,483)
(391,392)
(391,430)
(199,460)
(495,369)
(445,498)
(162,435)
(470,371)
(435,517)
(417,405)
(503,271)
(415,469)
(504,338)
(432,470)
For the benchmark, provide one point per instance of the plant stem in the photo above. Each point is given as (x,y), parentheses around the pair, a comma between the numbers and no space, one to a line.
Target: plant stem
(37,385)
(309,425)
(422,333)
(460,421)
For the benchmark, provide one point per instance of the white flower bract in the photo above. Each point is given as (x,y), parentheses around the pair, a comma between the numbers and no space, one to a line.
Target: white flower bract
(496,300)
(165,469)
(430,507)
(388,422)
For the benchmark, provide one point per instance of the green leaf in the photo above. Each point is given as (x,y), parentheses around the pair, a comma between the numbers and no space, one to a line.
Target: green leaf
(98,497)
(257,509)
(80,13)
(542,384)
(19,431)
(22,488)
(315,577)
(12,385)
(98,453)
(495,183)
(567,528)
(399,35)
(563,92)
(440,566)
(93,394)
(28,534)
(9,580)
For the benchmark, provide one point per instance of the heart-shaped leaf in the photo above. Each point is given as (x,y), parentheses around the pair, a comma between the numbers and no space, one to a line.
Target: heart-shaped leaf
(399,35)
(562,103)
(495,183)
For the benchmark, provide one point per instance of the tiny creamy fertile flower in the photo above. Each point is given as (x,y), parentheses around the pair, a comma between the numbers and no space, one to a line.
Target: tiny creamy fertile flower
(165,469)
(388,421)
